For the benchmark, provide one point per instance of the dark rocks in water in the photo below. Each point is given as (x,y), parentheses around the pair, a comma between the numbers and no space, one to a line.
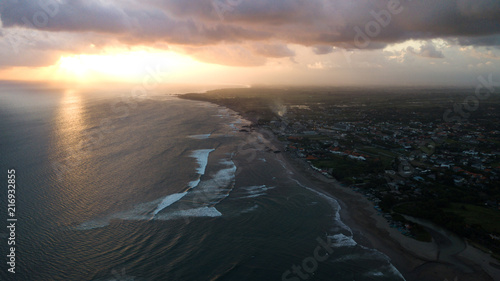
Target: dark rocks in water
(243,130)
(277,151)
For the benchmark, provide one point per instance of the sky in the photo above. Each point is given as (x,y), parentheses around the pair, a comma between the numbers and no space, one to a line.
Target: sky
(248,42)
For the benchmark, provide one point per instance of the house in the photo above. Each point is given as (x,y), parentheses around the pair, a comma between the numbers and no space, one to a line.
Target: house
(419,179)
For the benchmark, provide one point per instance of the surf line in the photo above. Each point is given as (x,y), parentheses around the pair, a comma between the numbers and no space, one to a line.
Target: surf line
(233,169)
(201,156)
(202,136)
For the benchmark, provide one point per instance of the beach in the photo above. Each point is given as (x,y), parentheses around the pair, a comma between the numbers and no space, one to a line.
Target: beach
(178,190)
(242,140)
(415,260)
(191,190)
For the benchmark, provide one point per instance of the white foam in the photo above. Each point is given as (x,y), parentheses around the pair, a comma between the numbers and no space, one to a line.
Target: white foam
(215,189)
(256,191)
(168,200)
(138,214)
(201,156)
(226,162)
(251,209)
(348,258)
(374,273)
(385,268)
(196,212)
(200,137)
(257,188)
(335,204)
(251,196)
(395,271)
(340,240)
(193,184)
(286,169)
(219,186)
(224,177)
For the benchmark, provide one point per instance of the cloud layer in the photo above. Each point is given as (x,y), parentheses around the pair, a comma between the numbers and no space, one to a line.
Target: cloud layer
(260,29)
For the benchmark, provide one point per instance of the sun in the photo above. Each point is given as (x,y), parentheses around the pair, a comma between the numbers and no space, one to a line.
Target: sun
(73,65)
(125,65)
(128,65)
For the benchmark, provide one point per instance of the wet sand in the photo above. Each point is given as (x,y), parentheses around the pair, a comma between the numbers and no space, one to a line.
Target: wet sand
(414,259)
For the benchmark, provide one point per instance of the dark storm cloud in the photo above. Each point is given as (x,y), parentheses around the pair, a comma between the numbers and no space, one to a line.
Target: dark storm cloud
(321,24)
(480,41)
(125,20)
(336,22)
(296,21)
(76,15)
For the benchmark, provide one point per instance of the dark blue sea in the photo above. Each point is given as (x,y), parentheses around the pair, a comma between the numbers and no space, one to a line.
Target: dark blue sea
(117,187)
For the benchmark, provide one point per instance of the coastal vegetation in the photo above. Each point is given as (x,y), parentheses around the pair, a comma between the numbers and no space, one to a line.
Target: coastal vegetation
(396,146)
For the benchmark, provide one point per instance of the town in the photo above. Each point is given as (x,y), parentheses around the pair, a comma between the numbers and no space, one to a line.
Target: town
(395,146)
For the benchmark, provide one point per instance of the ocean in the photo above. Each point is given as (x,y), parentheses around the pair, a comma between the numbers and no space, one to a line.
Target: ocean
(153,187)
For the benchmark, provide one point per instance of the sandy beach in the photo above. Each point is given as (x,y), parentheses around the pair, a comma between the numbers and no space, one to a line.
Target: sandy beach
(445,258)
(416,260)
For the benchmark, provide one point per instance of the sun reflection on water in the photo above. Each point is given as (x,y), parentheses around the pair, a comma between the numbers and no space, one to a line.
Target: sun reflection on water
(70,124)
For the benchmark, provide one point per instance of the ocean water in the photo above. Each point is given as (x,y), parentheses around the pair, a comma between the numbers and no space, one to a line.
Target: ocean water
(159,188)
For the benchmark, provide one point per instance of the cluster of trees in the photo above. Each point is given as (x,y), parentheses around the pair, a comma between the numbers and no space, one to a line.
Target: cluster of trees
(434,210)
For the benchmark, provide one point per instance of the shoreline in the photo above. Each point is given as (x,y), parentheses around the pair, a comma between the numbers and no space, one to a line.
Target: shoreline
(415,260)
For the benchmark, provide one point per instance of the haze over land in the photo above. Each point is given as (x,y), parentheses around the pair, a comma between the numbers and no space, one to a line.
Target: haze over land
(333,42)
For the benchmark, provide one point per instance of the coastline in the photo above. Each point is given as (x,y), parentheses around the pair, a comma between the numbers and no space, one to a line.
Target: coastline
(415,260)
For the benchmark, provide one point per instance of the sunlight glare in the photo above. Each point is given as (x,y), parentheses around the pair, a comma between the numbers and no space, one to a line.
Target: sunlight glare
(125,66)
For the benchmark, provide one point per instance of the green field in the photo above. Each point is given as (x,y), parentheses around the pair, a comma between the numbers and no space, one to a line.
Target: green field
(386,156)
(488,219)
